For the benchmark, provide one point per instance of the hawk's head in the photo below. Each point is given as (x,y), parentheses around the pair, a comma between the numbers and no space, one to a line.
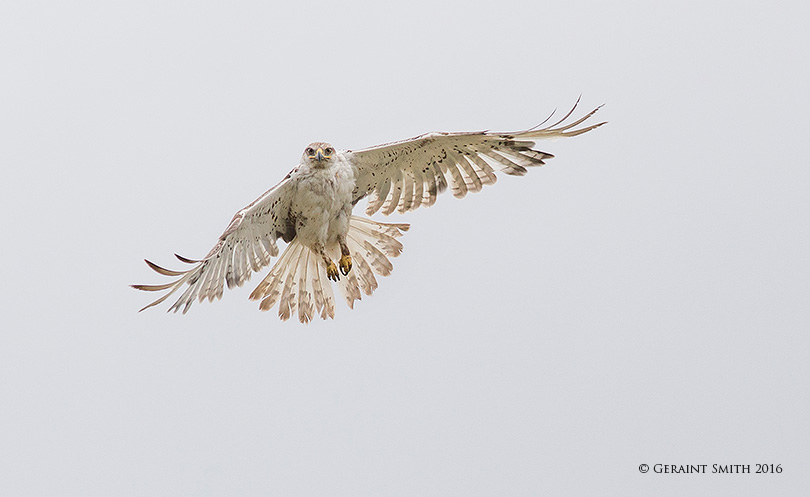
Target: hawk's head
(319,154)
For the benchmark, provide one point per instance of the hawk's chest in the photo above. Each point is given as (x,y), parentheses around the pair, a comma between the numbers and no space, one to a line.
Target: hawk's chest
(324,191)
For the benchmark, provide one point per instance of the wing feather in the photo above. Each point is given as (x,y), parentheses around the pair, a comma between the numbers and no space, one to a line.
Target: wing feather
(393,198)
(418,189)
(485,171)
(471,179)
(457,185)
(406,199)
(430,188)
(507,166)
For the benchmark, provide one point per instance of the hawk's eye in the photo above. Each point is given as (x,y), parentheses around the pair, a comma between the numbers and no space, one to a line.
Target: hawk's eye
(328,151)
(310,151)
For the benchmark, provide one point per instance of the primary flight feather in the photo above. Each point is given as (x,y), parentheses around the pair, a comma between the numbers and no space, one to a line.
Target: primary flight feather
(311,210)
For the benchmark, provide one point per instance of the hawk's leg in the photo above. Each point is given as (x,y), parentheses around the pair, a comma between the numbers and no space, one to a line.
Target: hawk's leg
(345,257)
(331,268)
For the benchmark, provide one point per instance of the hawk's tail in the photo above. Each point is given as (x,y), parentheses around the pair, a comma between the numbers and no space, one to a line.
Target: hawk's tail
(298,279)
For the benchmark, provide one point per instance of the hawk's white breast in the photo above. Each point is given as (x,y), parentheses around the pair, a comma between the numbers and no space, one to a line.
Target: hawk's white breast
(322,202)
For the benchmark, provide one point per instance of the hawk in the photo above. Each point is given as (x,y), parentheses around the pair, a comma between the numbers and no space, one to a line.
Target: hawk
(311,210)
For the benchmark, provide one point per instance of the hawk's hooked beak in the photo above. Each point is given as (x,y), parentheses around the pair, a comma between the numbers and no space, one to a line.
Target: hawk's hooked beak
(319,155)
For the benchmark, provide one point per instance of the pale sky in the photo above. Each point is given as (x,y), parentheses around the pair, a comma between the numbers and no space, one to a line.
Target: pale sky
(641,299)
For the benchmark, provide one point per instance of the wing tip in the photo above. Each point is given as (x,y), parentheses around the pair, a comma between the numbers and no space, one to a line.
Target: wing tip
(186,259)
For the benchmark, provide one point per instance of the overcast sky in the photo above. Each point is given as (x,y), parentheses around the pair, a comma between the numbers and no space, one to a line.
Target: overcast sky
(642,299)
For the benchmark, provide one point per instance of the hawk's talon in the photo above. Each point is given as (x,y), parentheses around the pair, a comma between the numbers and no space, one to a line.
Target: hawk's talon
(345,264)
(332,271)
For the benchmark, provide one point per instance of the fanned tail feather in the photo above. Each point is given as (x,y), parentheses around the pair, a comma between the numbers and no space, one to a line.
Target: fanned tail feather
(298,281)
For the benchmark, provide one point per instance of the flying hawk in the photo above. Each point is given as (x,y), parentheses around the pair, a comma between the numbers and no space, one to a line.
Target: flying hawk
(311,210)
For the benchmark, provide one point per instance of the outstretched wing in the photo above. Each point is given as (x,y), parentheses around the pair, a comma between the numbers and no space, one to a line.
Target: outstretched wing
(407,174)
(247,245)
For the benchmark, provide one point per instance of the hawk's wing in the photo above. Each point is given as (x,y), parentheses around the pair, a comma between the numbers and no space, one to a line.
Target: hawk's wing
(406,174)
(246,245)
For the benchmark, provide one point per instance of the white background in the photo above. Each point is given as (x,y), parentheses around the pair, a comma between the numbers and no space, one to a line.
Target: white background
(643,298)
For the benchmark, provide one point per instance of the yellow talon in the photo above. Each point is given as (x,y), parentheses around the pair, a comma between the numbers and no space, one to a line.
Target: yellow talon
(332,271)
(345,264)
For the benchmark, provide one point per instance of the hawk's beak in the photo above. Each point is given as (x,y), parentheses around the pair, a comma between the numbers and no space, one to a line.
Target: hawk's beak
(319,155)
